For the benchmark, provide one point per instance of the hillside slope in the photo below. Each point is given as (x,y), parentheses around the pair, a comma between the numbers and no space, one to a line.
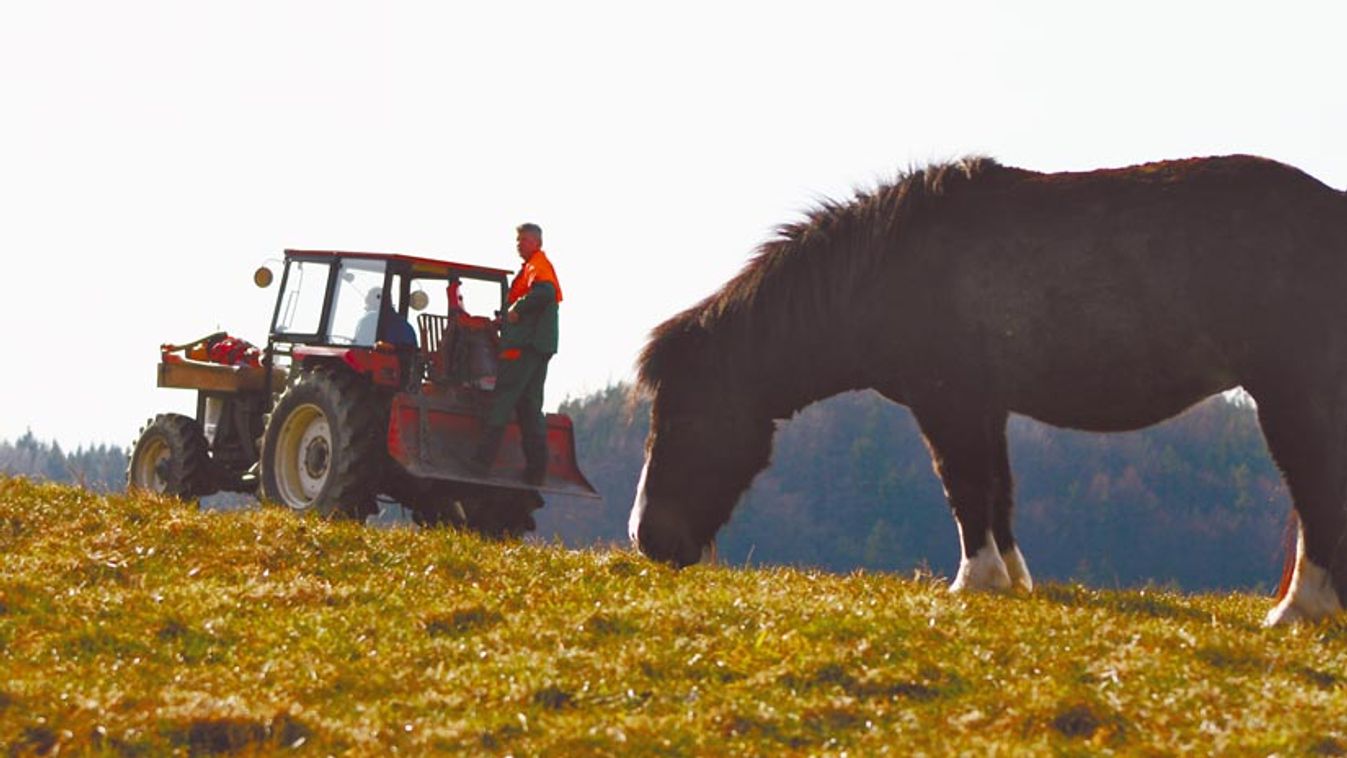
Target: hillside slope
(142,625)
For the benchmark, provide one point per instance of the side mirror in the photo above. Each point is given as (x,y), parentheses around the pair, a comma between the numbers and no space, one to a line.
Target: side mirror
(263,277)
(419,300)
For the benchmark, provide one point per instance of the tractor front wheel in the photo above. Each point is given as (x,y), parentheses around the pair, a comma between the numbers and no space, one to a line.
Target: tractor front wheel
(323,450)
(171,458)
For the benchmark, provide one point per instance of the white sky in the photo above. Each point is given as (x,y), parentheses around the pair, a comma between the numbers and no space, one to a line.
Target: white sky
(152,154)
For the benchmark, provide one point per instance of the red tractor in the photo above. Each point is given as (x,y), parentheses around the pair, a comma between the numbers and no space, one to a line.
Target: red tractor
(348,403)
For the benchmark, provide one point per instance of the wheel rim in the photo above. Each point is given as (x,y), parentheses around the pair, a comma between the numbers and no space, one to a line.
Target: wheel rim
(148,472)
(303,456)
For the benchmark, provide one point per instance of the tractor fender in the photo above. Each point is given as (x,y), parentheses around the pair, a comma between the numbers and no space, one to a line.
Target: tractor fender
(381,367)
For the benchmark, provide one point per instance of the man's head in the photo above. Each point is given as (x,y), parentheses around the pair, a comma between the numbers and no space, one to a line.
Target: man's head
(528,239)
(373,297)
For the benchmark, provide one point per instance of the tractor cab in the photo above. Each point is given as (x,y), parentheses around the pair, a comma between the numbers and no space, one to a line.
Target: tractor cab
(400,319)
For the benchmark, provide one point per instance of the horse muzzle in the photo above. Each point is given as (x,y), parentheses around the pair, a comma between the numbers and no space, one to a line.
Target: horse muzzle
(660,532)
(664,540)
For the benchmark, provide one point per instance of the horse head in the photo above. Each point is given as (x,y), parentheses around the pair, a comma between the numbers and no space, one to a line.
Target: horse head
(706,444)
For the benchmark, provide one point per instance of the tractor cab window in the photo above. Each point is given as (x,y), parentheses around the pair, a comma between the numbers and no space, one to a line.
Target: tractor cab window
(301,304)
(480,298)
(357,303)
(475,297)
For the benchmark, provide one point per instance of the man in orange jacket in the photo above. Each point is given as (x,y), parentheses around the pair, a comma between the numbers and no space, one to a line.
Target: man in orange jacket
(528,340)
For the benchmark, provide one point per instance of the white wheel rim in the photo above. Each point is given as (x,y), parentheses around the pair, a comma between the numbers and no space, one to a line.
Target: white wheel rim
(303,456)
(145,474)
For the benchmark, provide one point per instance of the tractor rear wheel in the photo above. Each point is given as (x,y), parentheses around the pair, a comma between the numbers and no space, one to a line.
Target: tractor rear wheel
(448,513)
(502,513)
(324,446)
(171,457)
(494,512)
(432,503)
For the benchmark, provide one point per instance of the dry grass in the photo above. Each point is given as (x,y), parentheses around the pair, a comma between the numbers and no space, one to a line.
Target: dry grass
(142,626)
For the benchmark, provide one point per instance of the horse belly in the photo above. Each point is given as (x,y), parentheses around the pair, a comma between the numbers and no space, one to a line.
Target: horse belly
(1117,415)
(1117,397)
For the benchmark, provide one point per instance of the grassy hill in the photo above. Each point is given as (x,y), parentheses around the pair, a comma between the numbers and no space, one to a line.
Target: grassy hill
(142,626)
(1195,501)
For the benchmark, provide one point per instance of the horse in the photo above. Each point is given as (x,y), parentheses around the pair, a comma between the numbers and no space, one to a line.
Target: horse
(1104,300)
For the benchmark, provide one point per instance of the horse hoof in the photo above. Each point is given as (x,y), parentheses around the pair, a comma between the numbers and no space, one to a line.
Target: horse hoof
(1292,610)
(1311,595)
(1020,580)
(1283,615)
(984,572)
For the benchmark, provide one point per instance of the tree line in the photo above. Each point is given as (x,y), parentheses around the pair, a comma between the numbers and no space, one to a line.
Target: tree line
(101,468)
(1195,502)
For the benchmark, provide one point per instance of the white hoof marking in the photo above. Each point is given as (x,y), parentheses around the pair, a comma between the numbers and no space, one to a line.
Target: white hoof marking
(1020,580)
(710,557)
(984,571)
(1311,596)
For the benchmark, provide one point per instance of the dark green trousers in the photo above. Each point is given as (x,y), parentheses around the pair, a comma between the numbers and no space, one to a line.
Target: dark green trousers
(519,390)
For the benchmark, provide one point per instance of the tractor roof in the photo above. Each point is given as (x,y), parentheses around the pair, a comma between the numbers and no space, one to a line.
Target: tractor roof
(419,265)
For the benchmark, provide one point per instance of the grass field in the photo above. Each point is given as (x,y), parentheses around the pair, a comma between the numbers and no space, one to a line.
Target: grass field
(142,626)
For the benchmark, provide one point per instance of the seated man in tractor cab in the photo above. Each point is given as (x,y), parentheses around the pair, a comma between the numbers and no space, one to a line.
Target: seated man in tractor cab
(395,330)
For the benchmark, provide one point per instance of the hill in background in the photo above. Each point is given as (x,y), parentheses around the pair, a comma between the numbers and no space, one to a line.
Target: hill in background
(1195,502)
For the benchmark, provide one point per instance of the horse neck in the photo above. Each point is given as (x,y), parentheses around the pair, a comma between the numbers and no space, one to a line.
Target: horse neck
(797,348)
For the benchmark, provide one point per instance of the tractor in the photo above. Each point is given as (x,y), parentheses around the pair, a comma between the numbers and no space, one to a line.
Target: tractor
(349,404)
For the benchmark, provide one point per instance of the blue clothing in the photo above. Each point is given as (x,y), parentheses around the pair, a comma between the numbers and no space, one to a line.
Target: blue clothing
(395,329)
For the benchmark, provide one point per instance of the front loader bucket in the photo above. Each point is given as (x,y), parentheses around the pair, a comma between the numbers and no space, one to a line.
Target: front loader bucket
(434,437)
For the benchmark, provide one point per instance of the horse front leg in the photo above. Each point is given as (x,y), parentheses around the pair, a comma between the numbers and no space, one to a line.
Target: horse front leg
(1003,506)
(963,443)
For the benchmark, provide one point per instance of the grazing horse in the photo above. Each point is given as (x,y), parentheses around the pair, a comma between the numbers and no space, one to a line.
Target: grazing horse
(1107,300)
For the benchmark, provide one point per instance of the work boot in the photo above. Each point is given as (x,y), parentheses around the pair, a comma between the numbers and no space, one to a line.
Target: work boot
(487,448)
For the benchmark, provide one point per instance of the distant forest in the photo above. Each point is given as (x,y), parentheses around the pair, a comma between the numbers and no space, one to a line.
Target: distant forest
(101,468)
(1195,502)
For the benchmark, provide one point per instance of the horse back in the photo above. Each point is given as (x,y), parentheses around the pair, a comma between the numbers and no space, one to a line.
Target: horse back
(1112,299)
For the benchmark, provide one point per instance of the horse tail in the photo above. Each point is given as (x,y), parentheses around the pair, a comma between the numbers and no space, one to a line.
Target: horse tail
(1290,536)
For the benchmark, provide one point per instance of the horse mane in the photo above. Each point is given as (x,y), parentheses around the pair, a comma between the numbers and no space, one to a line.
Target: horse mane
(794,282)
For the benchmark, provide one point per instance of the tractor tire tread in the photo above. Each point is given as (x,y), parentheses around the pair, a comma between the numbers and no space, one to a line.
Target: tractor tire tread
(193,474)
(358,439)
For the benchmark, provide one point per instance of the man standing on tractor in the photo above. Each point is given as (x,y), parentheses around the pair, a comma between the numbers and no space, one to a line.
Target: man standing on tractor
(528,340)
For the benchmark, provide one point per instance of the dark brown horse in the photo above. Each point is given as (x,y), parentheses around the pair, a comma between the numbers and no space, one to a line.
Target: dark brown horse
(1107,301)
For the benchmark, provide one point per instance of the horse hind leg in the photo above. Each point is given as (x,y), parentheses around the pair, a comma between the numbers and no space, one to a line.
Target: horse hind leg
(1307,437)
(1310,595)
(963,450)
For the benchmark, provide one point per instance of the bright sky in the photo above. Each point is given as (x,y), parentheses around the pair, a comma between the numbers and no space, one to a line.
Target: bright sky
(152,154)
